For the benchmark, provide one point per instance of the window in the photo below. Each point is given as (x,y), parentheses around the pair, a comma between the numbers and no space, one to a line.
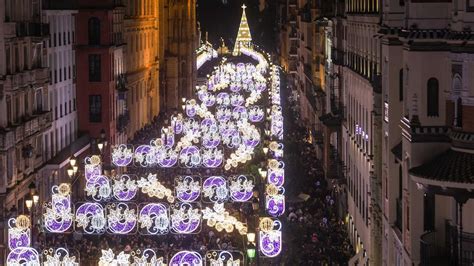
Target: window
(95,108)
(8,59)
(94,31)
(429,212)
(94,67)
(433,97)
(25,57)
(400,85)
(458,113)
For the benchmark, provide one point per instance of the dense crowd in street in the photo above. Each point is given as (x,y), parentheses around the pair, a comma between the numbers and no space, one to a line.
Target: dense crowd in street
(315,234)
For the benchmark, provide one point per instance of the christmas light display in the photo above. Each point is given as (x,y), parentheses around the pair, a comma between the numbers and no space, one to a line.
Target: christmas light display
(270,238)
(219,131)
(58,216)
(19,241)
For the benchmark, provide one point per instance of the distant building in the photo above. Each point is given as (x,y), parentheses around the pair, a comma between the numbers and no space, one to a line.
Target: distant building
(100,60)
(297,53)
(178,43)
(141,33)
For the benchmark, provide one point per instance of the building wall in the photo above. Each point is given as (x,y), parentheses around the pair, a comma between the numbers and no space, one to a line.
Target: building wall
(61,59)
(24,114)
(142,59)
(360,141)
(112,66)
(180,42)
(420,59)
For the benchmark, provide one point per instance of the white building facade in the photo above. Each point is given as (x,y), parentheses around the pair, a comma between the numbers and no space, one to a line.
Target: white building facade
(61,59)
(428,132)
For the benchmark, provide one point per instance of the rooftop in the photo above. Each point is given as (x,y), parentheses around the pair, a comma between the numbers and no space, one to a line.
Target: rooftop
(451,166)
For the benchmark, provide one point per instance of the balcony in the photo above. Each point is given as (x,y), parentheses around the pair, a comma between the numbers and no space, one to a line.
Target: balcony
(336,165)
(123,122)
(27,78)
(27,29)
(121,84)
(435,251)
(7,139)
(337,56)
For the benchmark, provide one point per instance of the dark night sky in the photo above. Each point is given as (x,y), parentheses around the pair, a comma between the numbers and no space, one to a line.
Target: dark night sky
(222,20)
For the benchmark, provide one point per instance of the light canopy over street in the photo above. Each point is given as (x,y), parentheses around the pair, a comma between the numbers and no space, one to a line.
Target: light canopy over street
(233,116)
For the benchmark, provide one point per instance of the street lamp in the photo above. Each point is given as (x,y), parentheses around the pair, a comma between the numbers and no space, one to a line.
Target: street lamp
(251,237)
(255,204)
(29,204)
(70,172)
(263,173)
(251,251)
(32,188)
(100,145)
(35,199)
(72,161)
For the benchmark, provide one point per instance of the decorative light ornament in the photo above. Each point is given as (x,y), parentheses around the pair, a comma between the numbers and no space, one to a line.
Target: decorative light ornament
(214,189)
(270,240)
(98,188)
(187,188)
(219,218)
(19,232)
(90,216)
(154,219)
(58,215)
(121,219)
(124,188)
(19,241)
(224,258)
(122,155)
(108,258)
(151,186)
(59,257)
(241,188)
(188,258)
(185,219)
(148,258)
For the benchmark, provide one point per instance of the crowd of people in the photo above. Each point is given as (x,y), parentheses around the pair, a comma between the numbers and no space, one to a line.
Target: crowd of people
(315,234)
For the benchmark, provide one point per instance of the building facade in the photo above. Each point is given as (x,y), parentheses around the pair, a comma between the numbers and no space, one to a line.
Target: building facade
(399,99)
(101,83)
(298,55)
(428,130)
(141,33)
(179,39)
(25,113)
(60,59)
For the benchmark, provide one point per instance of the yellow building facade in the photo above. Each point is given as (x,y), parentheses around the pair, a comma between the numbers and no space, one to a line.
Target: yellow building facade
(141,30)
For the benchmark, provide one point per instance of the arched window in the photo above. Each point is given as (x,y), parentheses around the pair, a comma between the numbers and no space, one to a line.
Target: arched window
(400,85)
(433,97)
(94,31)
